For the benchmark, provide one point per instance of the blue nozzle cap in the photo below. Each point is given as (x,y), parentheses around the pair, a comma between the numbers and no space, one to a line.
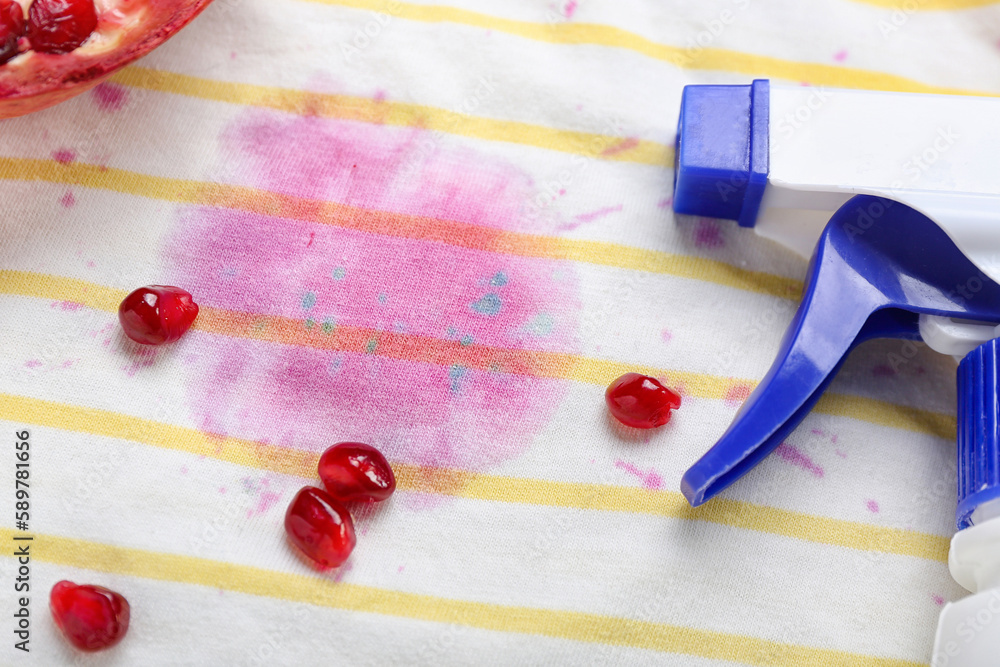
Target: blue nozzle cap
(721,157)
(978,430)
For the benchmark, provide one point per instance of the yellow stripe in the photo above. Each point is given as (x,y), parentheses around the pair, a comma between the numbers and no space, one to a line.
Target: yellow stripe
(688,58)
(562,366)
(319,591)
(380,222)
(910,6)
(402,114)
(462,484)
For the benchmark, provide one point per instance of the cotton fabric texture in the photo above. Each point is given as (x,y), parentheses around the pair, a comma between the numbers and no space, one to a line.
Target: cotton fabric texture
(443,229)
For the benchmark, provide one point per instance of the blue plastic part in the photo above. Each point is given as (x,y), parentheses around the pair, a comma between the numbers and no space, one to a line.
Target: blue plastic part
(978,431)
(721,156)
(878,264)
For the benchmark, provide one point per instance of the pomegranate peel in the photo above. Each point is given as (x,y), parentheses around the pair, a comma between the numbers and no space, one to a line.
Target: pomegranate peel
(32,79)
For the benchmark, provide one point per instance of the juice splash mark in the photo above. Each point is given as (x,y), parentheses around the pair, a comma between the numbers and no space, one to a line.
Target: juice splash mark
(872,506)
(64,155)
(430,412)
(109,96)
(650,480)
(66,305)
(736,394)
(840,56)
(708,234)
(938,600)
(621,146)
(797,458)
(584,218)
(67,200)
(666,335)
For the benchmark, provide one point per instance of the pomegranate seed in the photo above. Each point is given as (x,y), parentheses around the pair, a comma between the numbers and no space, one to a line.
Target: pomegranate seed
(11,28)
(355,471)
(641,401)
(320,526)
(59,26)
(91,617)
(157,314)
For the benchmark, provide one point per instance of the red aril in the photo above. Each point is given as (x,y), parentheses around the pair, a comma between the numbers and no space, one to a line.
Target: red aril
(90,617)
(157,314)
(640,401)
(59,26)
(72,45)
(320,526)
(354,471)
(11,28)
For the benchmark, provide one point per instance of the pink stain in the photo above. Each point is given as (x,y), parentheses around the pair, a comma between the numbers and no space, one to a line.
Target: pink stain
(32,363)
(872,506)
(64,155)
(833,438)
(797,458)
(91,265)
(938,600)
(584,218)
(708,234)
(380,96)
(665,203)
(68,200)
(621,146)
(816,431)
(650,480)
(840,56)
(401,567)
(736,394)
(441,413)
(110,96)
(66,305)
(67,363)
(265,501)
(184,470)
(144,358)
(222,489)
(342,570)
(840,453)
(569,9)
(883,370)
(666,335)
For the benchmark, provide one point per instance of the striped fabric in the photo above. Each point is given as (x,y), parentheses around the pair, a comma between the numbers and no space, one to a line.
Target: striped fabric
(443,229)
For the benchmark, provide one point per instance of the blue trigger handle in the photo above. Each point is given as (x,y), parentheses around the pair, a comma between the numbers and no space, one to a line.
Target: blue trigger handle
(978,434)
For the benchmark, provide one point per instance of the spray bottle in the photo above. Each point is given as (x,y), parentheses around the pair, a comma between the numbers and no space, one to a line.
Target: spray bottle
(896,199)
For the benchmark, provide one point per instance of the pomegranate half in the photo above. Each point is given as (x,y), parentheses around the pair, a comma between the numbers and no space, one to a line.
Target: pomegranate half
(34,74)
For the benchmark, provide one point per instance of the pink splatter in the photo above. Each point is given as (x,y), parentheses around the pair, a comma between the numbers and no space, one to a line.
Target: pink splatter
(437,413)
(590,217)
(66,305)
(818,432)
(621,146)
(840,56)
(33,363)
(67,200)
(342,570)
(111,96)
(708,234)
(872,506)
(91,264)
(380,95)
(797,458)
(265,501)
(67,363)
(665,203)
(64,155)
(833,438)
(401,567)
(222,489)
(650,480)
(840,453)
(184,470)
(938,600)
(883,370)
(666,335)
(569,9)
(736,394)
(143,358)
